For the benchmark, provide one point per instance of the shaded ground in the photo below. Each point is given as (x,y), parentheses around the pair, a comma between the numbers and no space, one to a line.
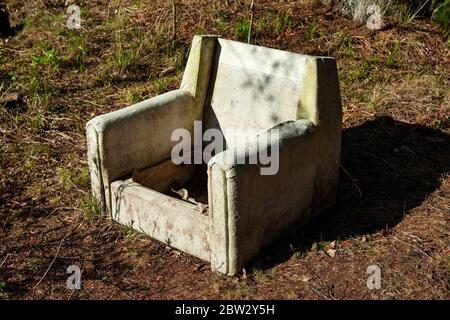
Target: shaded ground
(393,201)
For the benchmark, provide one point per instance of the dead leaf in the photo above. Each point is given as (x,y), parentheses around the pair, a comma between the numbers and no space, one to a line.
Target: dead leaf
(331,252)
(244,273)
(332,245)
(183,193)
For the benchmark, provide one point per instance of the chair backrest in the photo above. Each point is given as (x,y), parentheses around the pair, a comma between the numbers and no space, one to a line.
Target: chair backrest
(253,87)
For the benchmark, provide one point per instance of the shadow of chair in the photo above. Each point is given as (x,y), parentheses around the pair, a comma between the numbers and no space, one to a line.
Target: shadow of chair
(388,168)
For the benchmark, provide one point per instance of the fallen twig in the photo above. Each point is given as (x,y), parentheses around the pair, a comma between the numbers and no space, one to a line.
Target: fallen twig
(418,249)
(56,256)
(4,260)
(251,21)
(174,22)
(353,181)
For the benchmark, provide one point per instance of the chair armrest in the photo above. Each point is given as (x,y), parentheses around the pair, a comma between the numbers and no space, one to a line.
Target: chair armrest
(134,138)
(253,209)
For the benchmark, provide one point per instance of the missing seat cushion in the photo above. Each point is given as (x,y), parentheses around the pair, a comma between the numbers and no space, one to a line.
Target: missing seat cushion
(195,190)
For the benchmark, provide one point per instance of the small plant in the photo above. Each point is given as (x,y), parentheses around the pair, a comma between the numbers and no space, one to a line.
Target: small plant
(362,72)
(243,291)
(442,16)
(41,150)
(48,57)
(36,123)
(311,31)
(129,43)
(274,23)
(321,245)
(81,178)
(391,59)
(76,50)
(130,233)
(40,100)
(297,255)
(78,178)
(90,207)
(3,288)
(132,251)
(223,21)
(56,200)
(441,123)
(411,11)
(241,30)
(257,272)
(283,22)
(32,263)
(161,85)
(133,96)
(345,44)
(39,91)
(178,59)
(65,178)
(262,26)
(199,30)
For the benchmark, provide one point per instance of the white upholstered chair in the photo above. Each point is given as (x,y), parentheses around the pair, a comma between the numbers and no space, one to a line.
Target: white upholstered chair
(226,84)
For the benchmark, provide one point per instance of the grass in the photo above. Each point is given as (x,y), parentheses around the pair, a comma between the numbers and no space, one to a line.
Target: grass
(37,123)
(161,85)
(392,56)
(32,263)
(132,251)
(283,21)
(297,255)
(442,16)
(70,178)
(90,207)
(134,46)
(76,50)
(3,289)
(39,90)
(3,285)
(344,44)
(127,44)
(47,57)
(274,23)
(140,92)
(257,272)
(312,31)
(243,291)
(130,233)
(411,11)
(438,10)
(241,30)
(223,21)
(134,95)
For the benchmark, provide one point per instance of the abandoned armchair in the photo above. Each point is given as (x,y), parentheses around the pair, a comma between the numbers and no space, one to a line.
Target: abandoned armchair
(226,85)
